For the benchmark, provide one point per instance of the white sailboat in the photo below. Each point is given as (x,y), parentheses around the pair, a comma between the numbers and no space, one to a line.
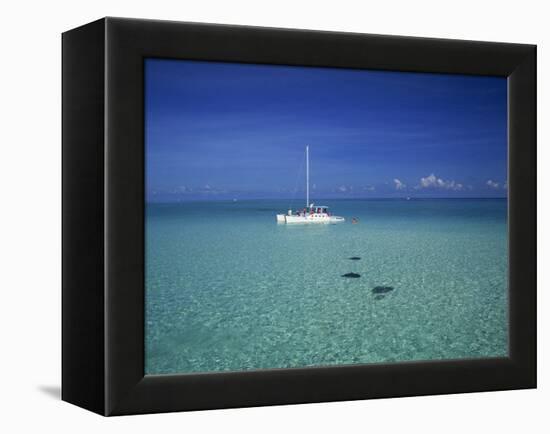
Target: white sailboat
(311,213)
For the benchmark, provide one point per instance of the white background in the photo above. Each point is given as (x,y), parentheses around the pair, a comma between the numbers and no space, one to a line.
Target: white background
(30,205)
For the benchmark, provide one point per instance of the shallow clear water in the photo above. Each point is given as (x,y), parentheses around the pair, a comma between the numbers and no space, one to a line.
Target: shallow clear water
(229,289)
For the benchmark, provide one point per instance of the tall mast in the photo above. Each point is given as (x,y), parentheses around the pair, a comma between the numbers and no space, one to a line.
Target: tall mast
(307,176)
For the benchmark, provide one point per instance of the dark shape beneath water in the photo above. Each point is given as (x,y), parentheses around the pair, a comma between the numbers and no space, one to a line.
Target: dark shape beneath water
(354,275)
(382,289)
(354,258)
(379,297)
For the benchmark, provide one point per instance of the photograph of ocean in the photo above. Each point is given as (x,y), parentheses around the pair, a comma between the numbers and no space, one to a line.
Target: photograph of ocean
(300,216)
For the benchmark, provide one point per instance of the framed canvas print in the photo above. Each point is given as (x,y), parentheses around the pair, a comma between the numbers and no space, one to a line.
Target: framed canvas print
(258,216)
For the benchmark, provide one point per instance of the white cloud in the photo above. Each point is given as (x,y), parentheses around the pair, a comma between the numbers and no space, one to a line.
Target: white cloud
(399,185)
(187,190)
(345,188)
(492,184)
(183,189)
(433,181)
(369,188)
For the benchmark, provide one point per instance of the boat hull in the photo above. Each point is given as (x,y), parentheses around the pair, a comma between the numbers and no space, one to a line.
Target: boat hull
(309,219)
(281,218)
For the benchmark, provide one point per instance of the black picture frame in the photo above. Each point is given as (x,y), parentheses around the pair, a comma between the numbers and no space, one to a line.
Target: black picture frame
(103,216)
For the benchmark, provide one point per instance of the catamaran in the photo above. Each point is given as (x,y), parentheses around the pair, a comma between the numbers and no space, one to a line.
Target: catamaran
(311,213)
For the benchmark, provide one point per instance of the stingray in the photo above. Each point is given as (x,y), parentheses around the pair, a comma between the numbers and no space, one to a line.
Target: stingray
(354,258)
(382,289)
(353,275)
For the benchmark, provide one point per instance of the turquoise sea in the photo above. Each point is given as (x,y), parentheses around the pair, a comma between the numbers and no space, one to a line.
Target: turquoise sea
(228,289)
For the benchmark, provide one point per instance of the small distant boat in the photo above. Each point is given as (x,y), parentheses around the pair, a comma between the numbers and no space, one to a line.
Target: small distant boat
(311,213)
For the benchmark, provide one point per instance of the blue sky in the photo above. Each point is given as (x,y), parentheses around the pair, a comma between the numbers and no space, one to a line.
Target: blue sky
(227,130)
